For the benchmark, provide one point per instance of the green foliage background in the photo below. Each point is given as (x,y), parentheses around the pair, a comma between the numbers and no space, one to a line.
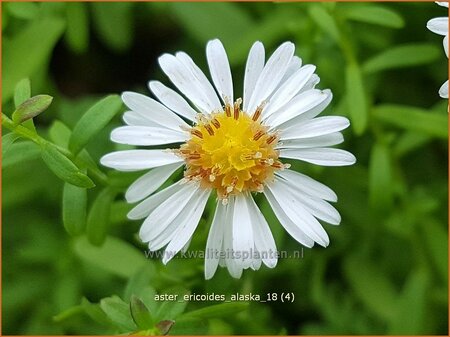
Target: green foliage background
(385,271)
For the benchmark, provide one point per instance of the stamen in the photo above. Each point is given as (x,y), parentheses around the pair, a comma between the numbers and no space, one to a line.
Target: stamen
(271,139)
(237,108)
(228,110)
(257,155)
(212,177)
(258,135)
(258,111)
(209,129)
(194,156)
(224,201)
(229,189)
(216,123)
(197,133)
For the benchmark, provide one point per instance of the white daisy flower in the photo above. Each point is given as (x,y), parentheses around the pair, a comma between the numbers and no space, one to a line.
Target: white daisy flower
(232,148)
(440,26)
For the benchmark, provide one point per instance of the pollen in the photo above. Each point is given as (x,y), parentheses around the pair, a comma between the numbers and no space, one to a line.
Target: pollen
(231,152)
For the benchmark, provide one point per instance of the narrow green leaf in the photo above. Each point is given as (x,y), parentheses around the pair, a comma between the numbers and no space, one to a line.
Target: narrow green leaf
(115,256)
(141,315)
(324,20)
(409,55)
(372,286)
(356,98)
(77,32)
(412,307)
(7,141)
(435,236)
(139,281)
(63,167)
(22,92)
(19,153)
(94,311)
(117,37)
(28,52)
(31,108)
(95,119)
(380,178)
(165,326)
(59,133)
(74,205)
(374,14)
(98,218)
(410,141)
(23,10)
(197,20)
(217,310)
(118,312)
(413,119)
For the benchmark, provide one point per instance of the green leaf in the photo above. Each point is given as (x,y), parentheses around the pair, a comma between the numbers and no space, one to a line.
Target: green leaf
(197,20)
(22,92)
(94,120)
(28,52)
(413,119)
(139,281)
(118,312)
(116,36)
(77,32)
(380,178)
(98,218)
(372,286)
(356,98)
(172,309)
(217,310)
(31,108)
(7,141)
(63,167)
(412,307)
(408,55)
(165,326)
(373,14)
(324,20)
(74,205)
(59,133)
(115,256)
(95,312)
(435,236)
(141,315)
(23,10)
(20,152)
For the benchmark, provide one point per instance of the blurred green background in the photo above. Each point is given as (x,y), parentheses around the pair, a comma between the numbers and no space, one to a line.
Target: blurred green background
(385,271)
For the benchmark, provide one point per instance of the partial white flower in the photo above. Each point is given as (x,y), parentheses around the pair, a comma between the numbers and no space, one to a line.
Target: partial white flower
(440,26)
(234,149)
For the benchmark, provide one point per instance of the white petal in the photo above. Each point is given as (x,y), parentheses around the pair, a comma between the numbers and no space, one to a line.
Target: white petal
(220,70)
(443,91)
(264,242)
(242,231)
(311,84)
(292,228)
(164,214)
(206,86)
(445,43)
(294,209)
(315,127)
(309,114)
(316,206)
(150,182)
(307,185)
(173,100)
(144,208)
(136,119)
(294,65)
(233,267)
(271,75)
(215,241)
(438,25)
(253,68)
(321,141)
(147,135)
(320,156)
(185,81)
(152,110)
(300,104)
(135,160)
(442,3)
(187,227)
(289,89)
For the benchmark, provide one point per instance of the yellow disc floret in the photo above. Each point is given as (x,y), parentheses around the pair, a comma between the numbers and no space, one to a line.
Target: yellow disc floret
(231,152)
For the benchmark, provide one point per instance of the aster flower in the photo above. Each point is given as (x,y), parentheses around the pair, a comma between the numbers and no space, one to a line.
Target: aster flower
(440,26)
(232,148)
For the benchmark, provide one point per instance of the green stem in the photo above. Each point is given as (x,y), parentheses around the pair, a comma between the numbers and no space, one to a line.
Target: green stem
(22,131)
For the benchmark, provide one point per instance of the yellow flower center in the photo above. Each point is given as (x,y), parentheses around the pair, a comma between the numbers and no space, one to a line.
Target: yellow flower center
(231,152)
